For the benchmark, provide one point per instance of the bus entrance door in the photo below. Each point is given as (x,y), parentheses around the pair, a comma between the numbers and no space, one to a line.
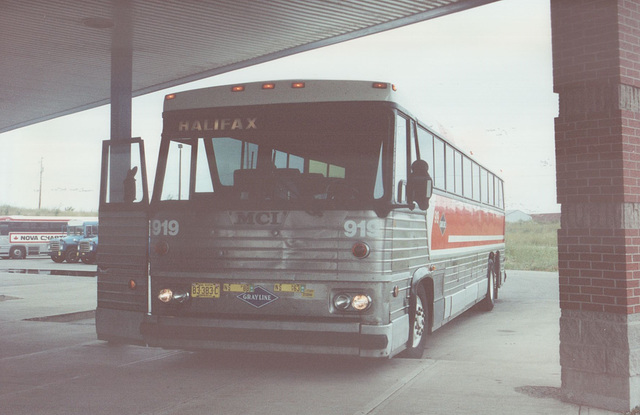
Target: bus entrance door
(124,242)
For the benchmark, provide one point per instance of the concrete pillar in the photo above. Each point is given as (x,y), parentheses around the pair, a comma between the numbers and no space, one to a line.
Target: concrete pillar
(121,94)
(596,69)
(121,69)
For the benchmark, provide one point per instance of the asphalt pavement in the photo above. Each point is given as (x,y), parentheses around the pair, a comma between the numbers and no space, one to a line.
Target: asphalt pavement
(500,362)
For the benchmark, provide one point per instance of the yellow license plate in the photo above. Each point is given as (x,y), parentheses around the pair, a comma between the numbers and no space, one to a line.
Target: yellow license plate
(288,288)
(205,290)
(238,288)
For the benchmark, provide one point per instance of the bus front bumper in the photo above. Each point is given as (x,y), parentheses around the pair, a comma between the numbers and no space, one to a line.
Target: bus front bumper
(353,339)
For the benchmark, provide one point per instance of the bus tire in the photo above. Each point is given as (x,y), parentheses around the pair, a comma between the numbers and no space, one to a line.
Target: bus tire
(489,301)
(57,258)
(72,256)
(18,252)
(418,325)
(87,261)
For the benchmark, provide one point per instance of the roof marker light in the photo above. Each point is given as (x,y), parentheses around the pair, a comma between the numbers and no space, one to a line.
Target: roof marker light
(269,85)
(237,88)
(170,96)
(297,85)
(379,85)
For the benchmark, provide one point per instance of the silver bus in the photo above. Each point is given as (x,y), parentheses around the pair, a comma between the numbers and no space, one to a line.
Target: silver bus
(307,216)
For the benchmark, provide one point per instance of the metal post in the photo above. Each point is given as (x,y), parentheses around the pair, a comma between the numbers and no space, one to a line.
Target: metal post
(121,91)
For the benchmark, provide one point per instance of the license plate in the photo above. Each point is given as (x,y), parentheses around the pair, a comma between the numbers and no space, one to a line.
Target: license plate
(238,288)
(205,290)
(288,288)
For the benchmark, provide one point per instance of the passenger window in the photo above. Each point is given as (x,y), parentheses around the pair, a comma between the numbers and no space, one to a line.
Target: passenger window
(450,170)
(499,194)
(476,182)
(458,174)
(439,163)
(490,184)
(484,190)
(467,186)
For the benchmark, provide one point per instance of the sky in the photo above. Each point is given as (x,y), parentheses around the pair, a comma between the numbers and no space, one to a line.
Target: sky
(482,78)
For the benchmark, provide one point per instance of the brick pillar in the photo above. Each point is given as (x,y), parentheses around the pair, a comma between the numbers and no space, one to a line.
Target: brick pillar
(596,69)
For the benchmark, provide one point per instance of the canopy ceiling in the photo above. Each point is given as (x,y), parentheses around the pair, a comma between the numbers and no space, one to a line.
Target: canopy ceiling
(55,54)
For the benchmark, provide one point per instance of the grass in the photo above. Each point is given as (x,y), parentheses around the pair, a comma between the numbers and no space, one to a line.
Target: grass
(69,211)
(532,246)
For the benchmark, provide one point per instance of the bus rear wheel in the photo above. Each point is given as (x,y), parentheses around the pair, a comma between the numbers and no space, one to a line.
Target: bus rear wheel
(18,252)
(492,288)
(418,325)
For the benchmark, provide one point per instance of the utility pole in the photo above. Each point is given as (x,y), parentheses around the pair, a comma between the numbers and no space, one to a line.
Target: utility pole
(40,190)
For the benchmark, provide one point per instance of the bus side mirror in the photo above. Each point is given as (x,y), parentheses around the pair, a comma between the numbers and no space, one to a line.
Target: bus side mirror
(420,184)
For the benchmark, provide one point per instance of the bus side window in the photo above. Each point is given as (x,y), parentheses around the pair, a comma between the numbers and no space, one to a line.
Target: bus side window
(467,178)
(500,192)
(438,166)
(450,169)
(401,159)
(476,182)
(484,189)
(425,149)
(413,143)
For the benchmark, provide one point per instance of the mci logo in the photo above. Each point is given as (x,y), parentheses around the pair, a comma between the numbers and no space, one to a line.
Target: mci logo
(268,218)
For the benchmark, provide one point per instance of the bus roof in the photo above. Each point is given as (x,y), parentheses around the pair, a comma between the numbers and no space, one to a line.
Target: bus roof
(281,92)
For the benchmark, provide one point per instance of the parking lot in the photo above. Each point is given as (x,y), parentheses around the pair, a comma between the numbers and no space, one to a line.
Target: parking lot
(502,362)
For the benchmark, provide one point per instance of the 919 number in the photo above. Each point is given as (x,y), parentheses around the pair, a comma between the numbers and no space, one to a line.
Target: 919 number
(165,227)
(361,229)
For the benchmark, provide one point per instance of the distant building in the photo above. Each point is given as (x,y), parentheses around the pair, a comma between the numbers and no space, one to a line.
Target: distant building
(517,216)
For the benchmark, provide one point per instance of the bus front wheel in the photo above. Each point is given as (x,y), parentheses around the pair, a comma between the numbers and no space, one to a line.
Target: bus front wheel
(72,256)
(57,258)
(418,325)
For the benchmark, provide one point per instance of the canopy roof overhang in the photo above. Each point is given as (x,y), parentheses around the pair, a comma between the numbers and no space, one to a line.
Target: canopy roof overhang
(56,55)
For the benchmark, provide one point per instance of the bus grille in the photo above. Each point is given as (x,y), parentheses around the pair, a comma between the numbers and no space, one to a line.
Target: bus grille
(85,247)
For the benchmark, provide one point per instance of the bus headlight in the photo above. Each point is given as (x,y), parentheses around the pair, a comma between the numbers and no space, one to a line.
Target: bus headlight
(165,295)
(342,302)
(361,302)
(351,302)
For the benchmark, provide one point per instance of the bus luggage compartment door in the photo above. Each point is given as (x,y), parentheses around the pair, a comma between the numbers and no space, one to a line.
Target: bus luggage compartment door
(124,242)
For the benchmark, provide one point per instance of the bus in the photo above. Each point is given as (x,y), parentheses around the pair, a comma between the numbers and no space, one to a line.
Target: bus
(309,216)
(29,235)
(67,248)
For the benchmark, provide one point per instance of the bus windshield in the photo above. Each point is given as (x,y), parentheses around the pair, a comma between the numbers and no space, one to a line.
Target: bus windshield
(318,156)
